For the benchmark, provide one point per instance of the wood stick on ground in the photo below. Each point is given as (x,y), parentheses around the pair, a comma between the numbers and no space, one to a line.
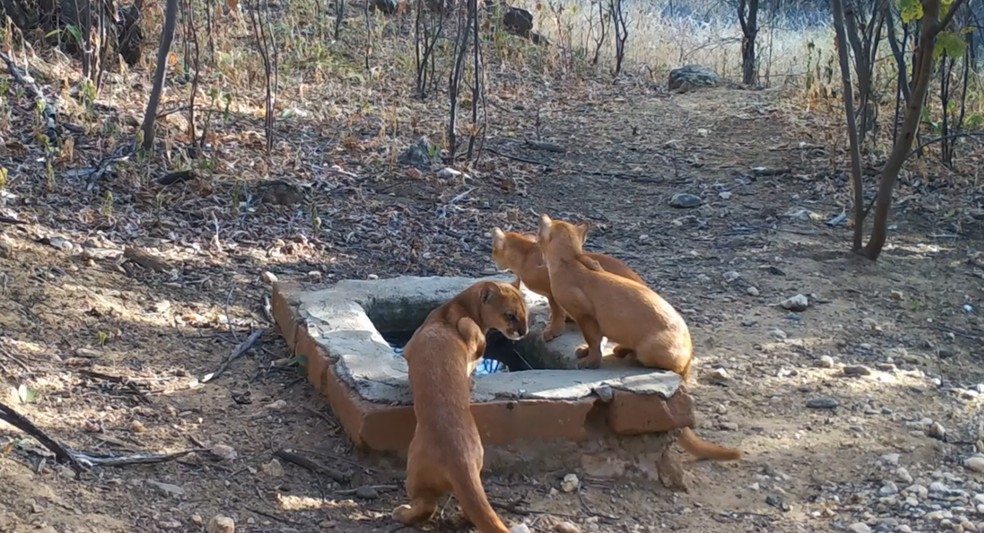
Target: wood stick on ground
(135,459)
(238,352)
(314,466)
(62,453)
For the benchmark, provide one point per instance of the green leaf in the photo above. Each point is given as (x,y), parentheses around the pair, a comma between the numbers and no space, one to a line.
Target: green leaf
(76,33)
(910,10)
(950,43)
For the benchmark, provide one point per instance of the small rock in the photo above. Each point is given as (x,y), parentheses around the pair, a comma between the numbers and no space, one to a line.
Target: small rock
(684,200)
(520,528)
(566,527)
(137,426)
(716,376)
(936,431)
(419,154)
(752,291)
(273,468)
(570,483)
(975,464)
(314,275)
(268,277)
(822,403)
(604,393)
(166,488)
(857,370)
(888,489)
(725,195)
(796,303)
(891,459)
(779,334)
(367,492)
(731,275)
(450,173)
(859,527)
(224,452)
(903,475)
(221,524)
(825,361)
(277,405)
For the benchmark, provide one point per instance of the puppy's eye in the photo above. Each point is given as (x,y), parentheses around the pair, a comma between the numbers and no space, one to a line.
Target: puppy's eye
(511,317)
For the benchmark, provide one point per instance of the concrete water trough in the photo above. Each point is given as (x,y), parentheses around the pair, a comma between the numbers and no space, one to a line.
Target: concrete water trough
(348,336)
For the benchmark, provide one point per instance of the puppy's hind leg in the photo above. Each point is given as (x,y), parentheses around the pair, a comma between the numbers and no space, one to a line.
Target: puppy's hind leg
(426,486)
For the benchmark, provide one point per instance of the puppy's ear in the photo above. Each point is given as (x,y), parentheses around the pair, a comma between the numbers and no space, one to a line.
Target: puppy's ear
(544,231)
(498,239)
(582,231)
(489,292)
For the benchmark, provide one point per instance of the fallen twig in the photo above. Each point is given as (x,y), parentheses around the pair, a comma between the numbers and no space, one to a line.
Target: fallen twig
(238,352)
(62,453)
(122,380)
(135,459)
(272,516)
(314,466)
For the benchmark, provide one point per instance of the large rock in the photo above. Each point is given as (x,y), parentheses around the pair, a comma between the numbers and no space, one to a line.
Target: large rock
(690,77)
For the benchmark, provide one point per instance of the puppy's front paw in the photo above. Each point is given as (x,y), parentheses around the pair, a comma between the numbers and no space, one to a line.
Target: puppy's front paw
(548,335)
(581,351)
(590,361)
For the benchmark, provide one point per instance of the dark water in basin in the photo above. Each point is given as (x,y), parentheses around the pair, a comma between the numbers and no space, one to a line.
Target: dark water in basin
(500,356)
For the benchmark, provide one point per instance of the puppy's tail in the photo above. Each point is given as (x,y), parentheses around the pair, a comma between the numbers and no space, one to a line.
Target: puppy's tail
(701,449)
(467,486)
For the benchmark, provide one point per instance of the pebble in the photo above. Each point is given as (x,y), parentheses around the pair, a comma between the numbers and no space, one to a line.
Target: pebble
(221,524)
(796,303)
(903,475)
(859,527)
(520,528)
(888,489)
(273,468)
(566,527)
(570,483)
(857,370)
(684,200)
(826,361)
(891,459)
(224,452)
(731,275)
(752,291)
(166,488)
(779,334)
(822,403)
(936,431)
(975,464)
(367,492)
(137,426)
(268,277)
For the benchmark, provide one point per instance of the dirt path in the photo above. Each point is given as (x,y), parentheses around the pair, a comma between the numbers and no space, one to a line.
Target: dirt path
(882,354)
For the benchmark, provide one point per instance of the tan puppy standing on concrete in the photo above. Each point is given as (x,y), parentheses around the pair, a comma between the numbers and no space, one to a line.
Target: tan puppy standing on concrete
(521,254)
(632,315)
(446,452)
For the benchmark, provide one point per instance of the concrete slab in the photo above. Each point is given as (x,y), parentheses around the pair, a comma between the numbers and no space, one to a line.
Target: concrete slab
(337,329)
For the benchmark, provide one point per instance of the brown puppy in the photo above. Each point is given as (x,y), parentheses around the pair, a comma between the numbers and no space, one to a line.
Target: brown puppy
(627,312)
(446,452)
(521,254)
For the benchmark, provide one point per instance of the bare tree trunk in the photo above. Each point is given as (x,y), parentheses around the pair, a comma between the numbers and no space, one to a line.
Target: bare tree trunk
(748,17)
(167,35)
(922,69)
(852,125)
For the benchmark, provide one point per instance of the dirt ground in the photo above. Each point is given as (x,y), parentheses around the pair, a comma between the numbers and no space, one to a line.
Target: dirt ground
(111,354)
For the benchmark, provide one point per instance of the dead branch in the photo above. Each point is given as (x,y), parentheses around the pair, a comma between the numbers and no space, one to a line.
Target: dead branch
(291,457)
(62,453)
(134,459)
(236,353)
(24,79)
